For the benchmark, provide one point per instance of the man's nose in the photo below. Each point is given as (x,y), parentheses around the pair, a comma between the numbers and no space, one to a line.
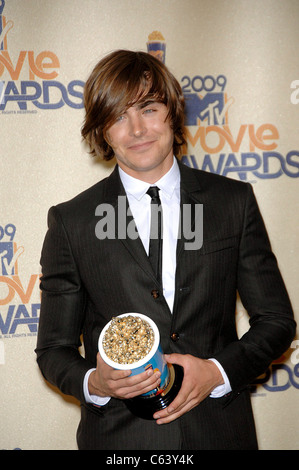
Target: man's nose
(137,126)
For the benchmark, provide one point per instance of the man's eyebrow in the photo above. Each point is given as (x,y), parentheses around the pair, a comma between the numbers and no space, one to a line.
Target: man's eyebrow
(147,102)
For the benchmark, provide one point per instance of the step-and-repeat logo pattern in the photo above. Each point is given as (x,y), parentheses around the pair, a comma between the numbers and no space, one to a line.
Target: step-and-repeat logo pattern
(28,79)
(19,292)
(29,84)
(249,152)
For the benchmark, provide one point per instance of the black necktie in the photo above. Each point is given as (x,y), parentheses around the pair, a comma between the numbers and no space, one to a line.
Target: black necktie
(155,246)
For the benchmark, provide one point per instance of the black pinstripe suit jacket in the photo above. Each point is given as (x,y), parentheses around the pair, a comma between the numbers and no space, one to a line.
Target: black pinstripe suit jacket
(86,281)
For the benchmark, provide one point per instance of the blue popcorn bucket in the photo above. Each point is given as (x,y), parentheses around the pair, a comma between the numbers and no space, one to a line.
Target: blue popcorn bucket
(157,49)
(146,404)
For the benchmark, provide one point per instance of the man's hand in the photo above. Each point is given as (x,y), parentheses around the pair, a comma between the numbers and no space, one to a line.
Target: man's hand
(200,378)
(108,382)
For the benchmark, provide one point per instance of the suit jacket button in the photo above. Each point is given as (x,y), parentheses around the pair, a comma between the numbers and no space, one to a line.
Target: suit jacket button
(155,293)
(175,337)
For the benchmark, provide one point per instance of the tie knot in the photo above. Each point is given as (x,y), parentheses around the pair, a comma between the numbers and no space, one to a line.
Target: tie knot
(153,192)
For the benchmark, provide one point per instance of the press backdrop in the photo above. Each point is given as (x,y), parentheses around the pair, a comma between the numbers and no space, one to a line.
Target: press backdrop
(237,62)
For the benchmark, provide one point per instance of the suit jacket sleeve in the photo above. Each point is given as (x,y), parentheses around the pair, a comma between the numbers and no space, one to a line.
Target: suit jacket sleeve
(62,313)
(265,298)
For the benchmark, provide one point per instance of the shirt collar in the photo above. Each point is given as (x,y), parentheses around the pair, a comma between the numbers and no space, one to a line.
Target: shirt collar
(138,188)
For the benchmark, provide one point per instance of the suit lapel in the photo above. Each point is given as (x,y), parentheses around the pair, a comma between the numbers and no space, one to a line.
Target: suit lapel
(189,215)
(124,222)
(125,228)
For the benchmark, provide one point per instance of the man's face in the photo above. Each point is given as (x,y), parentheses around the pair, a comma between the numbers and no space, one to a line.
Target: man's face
(142,141)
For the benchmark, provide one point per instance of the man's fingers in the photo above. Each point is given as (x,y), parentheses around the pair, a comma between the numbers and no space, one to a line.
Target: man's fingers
(143,387)
(124,385)
(176,407)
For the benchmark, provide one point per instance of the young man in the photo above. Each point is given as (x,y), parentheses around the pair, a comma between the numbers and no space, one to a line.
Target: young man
(135,113)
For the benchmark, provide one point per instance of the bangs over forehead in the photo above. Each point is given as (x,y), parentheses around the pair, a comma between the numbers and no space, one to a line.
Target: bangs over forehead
(138,85)
(136,79)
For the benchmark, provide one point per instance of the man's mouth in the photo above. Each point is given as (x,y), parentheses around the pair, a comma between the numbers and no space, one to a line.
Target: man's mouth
(141,146)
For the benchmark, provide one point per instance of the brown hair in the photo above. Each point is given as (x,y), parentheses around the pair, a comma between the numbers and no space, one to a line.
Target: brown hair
(119,81)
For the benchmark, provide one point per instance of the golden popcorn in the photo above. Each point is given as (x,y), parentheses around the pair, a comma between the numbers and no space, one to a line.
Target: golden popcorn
(156,36)
(128,339)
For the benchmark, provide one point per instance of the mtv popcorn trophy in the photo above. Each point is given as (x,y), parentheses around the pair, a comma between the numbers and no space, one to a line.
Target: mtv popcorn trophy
(156,45)
(132,341)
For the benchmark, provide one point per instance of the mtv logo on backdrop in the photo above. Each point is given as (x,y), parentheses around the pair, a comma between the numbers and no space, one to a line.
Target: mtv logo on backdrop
(6,258)
(19,296)
(209,109)
(9,253)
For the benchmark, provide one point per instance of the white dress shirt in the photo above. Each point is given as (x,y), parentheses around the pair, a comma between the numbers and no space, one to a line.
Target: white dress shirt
(140,205)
